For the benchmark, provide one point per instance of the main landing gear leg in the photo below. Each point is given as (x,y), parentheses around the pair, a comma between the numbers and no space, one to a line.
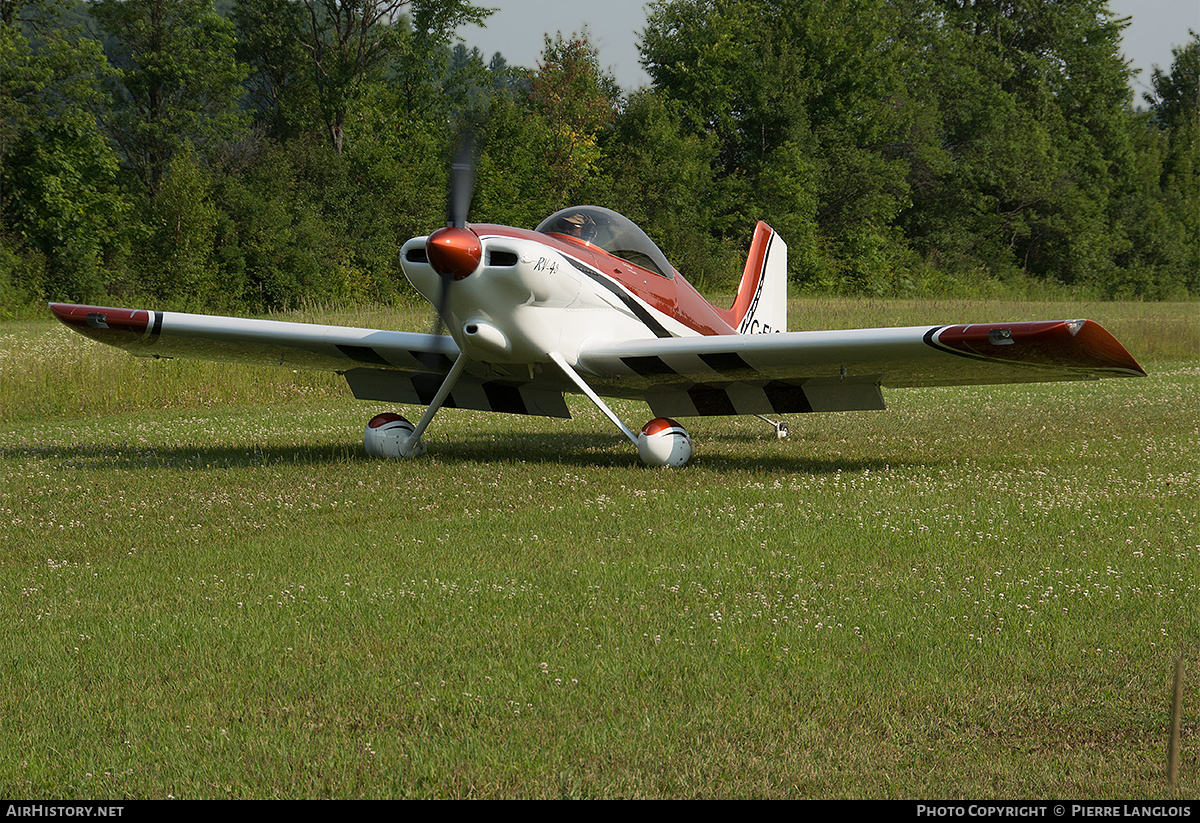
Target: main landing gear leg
(413,445)
(562,363)
(662,442)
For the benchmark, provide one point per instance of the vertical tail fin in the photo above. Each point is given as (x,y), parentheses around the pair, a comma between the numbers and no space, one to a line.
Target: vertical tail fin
(761,303)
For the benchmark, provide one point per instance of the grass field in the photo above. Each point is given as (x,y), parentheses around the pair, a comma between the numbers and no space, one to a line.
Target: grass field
(209,591)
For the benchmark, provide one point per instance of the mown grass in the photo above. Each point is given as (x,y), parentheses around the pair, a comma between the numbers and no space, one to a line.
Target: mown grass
(210,591)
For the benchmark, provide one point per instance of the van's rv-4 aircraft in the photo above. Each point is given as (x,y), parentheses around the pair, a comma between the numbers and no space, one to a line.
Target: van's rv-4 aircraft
(587,303)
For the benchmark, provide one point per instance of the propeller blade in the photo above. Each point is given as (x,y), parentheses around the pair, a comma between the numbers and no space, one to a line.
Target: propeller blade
(462,183)
(455,251)
(439,318)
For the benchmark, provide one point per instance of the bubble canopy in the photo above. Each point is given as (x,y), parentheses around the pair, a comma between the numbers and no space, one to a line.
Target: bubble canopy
(610,231)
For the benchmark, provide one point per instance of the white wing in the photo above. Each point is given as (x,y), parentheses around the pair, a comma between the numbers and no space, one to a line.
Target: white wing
(393,366)
(678,377)
(844,370)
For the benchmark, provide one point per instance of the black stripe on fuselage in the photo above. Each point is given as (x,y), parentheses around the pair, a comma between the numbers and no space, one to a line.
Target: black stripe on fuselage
(762,276)
(639,311)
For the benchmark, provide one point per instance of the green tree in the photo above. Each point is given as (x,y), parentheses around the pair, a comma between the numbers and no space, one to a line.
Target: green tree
(575,100)
(271,242)
(59,207)
(64,202)
(394,175)
(349,46)
(541,146)
(179,83)
(50,67)
(269,45)
(1031,102)
(662,178)
(513,182)
(1175,98)
(1159,207)
(175,256)
(799,98)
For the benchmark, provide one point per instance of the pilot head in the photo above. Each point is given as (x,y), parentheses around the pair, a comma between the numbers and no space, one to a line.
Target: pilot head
(578,225)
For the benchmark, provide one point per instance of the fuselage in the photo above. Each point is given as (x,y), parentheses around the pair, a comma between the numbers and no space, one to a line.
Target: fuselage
(534,292)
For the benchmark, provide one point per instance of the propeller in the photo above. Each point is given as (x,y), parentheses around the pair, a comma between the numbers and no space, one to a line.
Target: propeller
(462,182)
(455,251)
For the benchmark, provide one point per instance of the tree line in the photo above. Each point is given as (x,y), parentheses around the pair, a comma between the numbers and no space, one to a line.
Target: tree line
(259,154)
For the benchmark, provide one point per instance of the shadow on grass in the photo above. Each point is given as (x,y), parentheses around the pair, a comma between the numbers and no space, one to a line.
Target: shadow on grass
(190,458)
(720,453)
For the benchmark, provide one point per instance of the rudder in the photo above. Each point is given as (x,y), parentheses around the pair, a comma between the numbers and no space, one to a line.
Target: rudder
(761,303)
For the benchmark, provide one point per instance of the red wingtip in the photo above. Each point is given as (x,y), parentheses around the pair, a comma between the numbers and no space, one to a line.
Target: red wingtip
(103,323)
(1072,344)
(1098,339)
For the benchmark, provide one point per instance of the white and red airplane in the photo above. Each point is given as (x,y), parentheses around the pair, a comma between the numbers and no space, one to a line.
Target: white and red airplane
(587,303)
